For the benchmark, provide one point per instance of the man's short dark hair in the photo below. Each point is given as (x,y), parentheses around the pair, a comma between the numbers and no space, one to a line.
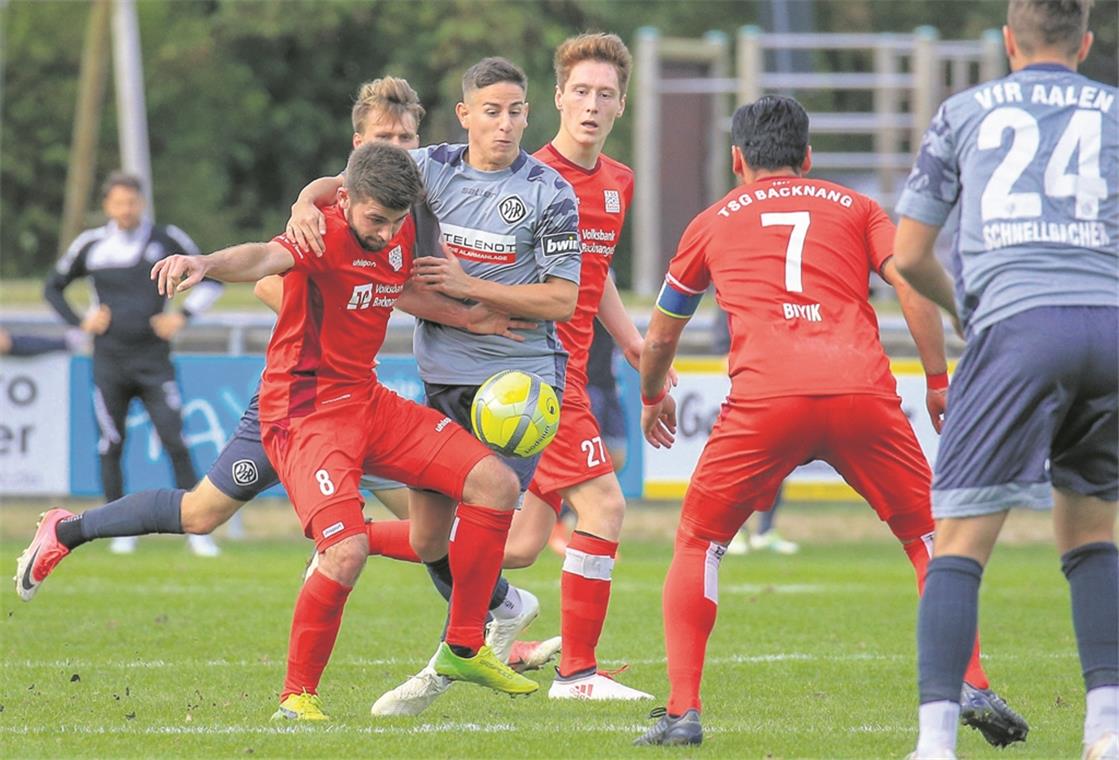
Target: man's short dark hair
(385,174)
(121,179)
(1048,24)
(492,71)
(771,132)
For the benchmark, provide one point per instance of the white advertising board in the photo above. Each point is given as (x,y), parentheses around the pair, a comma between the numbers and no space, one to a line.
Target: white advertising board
(704,385)
(35,425)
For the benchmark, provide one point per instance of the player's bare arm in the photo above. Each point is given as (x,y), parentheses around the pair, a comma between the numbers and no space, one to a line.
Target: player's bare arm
(925,325)
(617,321)
(307,225)
(658,408)
(480,319)
(553,300)
(913,252)
(270,291)
(247,262)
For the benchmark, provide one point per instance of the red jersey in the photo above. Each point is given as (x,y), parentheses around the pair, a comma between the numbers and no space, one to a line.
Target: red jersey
(604,194)
(791,259)
(333,319)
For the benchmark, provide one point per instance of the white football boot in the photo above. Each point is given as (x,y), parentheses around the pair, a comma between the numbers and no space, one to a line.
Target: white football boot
(414,695)
(1104,748)
(597,685)
(203,546)
(501,633)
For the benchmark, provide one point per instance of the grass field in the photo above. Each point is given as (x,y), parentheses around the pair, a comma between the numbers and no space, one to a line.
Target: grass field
(162,654)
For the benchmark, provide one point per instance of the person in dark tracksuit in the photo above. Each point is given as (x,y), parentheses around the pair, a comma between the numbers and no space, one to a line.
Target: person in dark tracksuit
(131,329)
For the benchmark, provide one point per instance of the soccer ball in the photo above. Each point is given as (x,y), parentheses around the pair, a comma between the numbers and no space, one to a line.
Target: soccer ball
(515,413)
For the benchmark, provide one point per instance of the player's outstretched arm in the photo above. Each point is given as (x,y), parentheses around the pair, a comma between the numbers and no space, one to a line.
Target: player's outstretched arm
(925,325)
(552,300)
(247,262)
(617,321)
(307,225)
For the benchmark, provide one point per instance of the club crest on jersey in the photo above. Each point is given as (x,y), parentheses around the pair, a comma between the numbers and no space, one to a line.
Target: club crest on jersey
(245,472)
(396,259)
(512,209)
(613,201)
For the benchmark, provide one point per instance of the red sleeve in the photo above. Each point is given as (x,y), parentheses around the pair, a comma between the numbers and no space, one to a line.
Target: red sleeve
(688,271)
(879,235)
(304,261)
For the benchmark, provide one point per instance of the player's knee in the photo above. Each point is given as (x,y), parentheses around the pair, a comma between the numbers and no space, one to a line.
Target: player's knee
(493,484)
(520,554)
(202,513)
(344,560)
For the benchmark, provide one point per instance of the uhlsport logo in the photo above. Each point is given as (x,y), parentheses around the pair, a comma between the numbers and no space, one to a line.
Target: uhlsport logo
(512,209)
(245,472)
(613,201)
(396,259)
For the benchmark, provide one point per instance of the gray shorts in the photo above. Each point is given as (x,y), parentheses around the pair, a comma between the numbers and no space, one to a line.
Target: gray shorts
(242,470)
(1033,406)
(454,401)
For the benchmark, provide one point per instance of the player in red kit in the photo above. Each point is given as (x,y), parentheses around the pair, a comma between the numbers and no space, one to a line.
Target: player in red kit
(592,71)
(790,259)
(326,420)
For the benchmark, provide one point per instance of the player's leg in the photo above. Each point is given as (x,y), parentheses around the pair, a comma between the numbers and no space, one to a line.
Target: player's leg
(112,391)
(1010,395)
(395,498)
(1085,531)
(390,538)
(315,457)
(752,448)
(239,474)
(1085,475)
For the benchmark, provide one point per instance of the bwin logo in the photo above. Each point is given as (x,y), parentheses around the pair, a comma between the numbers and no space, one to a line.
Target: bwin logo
(512,209)
(245,472)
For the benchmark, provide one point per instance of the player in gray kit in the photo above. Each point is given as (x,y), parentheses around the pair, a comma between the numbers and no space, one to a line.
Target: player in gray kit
(508,225)
(1032,161)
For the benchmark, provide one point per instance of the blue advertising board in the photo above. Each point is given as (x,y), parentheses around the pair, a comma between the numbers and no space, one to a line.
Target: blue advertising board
(216,390)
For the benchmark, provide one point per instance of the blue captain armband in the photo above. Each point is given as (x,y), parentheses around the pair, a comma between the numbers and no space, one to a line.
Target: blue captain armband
(675,301)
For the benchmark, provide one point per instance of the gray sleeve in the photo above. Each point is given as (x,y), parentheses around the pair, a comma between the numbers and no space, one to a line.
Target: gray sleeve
(933,186)
(558,249)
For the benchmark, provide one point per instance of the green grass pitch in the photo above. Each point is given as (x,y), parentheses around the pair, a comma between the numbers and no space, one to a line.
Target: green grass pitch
(164,655)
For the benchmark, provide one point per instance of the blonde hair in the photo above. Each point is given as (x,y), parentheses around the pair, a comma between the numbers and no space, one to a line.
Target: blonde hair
(390,95)
(606,48)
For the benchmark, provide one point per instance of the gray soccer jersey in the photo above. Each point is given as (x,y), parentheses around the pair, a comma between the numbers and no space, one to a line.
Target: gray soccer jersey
(1032,160)
(515,226)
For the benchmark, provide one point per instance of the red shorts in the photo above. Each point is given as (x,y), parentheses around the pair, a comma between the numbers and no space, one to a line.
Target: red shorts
(577,454)
(756,444)
(320,458)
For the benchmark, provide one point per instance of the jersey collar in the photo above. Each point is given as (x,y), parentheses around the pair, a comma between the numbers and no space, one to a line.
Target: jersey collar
(1047,67)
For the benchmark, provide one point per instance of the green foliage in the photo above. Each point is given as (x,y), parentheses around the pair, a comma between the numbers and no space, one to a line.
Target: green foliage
(247,100)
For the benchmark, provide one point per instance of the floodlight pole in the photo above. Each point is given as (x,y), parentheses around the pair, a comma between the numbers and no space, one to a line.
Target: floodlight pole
(131,110)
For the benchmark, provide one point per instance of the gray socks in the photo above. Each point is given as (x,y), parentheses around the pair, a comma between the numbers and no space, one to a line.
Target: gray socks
(136,514)
(946,621)
(1093,578)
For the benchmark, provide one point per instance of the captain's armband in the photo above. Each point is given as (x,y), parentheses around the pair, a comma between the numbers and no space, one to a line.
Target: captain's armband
(677,300)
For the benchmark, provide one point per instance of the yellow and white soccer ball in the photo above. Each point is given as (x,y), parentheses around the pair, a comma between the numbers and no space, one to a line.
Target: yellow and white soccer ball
(515,413)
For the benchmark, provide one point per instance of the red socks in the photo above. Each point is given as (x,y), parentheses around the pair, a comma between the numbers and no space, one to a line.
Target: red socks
(919,553)
(588,566)
(314,628)
(691,597)
(389,538)
(477,549)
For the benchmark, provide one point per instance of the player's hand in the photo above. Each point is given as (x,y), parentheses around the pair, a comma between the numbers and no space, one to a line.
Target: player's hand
(97,321)
(936,402)
(306,227)
(658,422)
(178,273)
(482,320)
(167,325)
(444,275)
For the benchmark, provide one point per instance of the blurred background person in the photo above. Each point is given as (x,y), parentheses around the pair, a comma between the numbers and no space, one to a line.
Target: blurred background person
(132,332)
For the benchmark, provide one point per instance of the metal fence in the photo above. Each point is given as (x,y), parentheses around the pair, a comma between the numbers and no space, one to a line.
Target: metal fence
(905,75)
